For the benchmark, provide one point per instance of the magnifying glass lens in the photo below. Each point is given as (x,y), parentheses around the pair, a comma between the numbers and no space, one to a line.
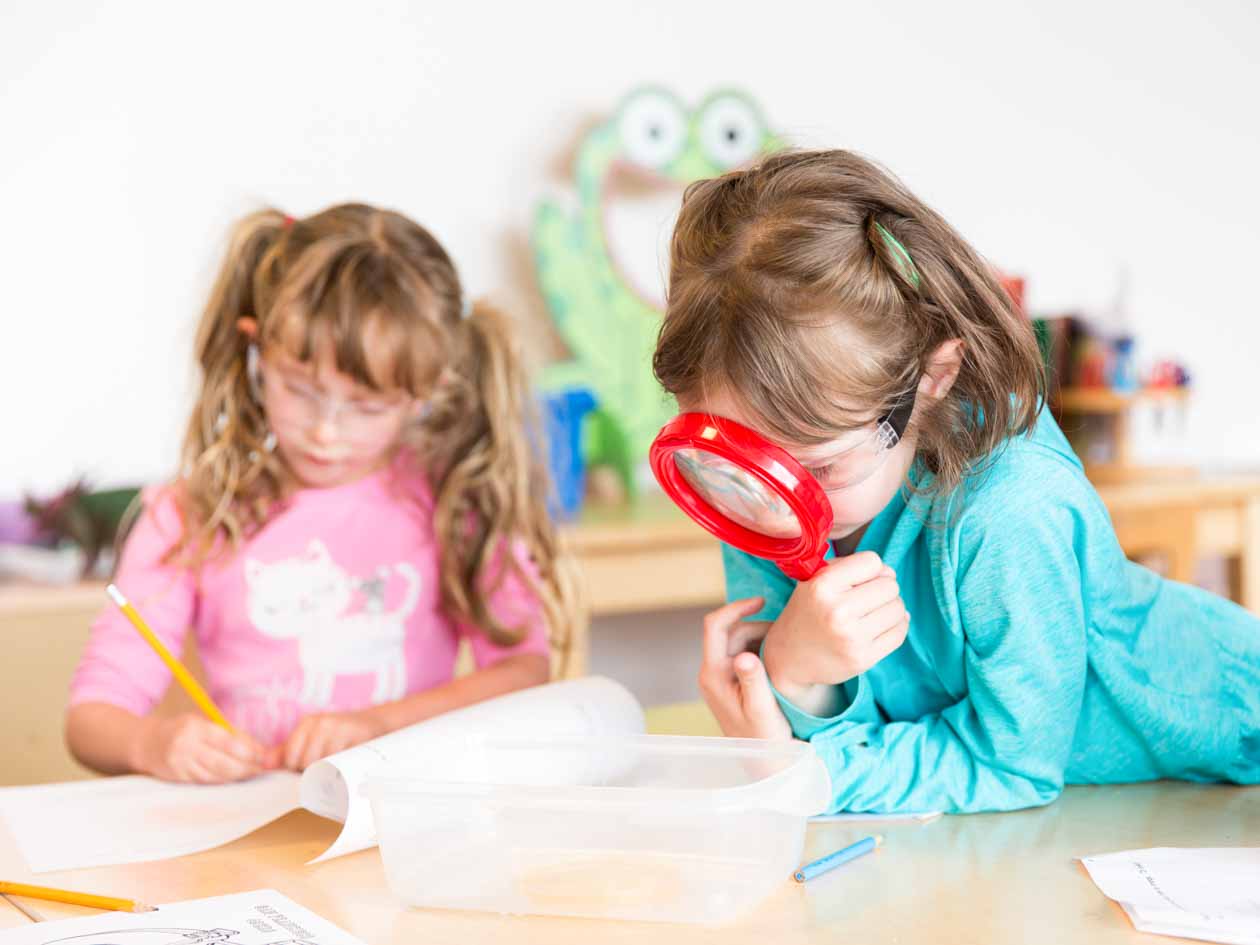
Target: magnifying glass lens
(736,493)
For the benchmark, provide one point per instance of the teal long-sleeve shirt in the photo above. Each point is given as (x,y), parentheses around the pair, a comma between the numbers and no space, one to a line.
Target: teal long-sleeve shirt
(1037,654)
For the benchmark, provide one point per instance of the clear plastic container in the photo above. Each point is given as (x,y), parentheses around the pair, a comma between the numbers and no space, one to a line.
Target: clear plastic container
(654,827)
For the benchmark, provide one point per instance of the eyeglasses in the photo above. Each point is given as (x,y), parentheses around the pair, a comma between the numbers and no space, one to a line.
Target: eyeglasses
(855,465)
(843,470)
(299,401)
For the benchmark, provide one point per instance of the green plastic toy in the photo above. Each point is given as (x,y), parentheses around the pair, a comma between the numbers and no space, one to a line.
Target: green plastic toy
(609,328)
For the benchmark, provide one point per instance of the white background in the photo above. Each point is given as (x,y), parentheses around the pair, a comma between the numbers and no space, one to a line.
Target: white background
(1065,139)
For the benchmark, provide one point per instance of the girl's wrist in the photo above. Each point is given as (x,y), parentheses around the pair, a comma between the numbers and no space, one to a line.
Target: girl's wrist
(821,700)
(137,759)
(380,719)
(781,671)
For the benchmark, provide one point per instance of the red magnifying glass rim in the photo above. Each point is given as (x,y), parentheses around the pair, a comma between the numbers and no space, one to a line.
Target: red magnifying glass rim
(800,557)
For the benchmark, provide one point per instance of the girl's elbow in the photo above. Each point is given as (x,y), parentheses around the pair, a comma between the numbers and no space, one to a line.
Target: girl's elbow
(537,669)
(528,669)
(76,735)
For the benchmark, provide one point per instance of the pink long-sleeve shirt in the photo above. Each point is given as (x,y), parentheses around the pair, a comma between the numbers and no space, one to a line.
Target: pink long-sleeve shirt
(332,606)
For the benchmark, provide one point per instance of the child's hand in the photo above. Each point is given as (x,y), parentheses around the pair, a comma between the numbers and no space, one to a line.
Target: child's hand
(732,679)
(835,626)
(318,736)
(191,748)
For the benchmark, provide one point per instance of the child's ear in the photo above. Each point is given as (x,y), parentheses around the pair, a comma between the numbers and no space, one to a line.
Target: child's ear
(941,369)
(248,327)
(421,406)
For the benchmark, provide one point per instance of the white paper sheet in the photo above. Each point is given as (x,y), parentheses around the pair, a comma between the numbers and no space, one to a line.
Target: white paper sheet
(1211,893)
(132,819)
(590,706)
(262,917)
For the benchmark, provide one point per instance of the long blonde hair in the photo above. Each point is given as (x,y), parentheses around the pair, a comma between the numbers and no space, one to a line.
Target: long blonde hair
(365,279)
(814,286)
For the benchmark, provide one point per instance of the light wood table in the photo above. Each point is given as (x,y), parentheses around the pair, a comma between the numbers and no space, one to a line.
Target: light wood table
(966,879)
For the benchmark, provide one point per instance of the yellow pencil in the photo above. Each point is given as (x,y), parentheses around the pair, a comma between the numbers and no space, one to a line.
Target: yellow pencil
(74,898)
(182,676)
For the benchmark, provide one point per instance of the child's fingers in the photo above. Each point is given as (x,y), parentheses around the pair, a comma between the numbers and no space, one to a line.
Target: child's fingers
(240,746)
(760,706)
(716,679)
(317,746)
(196,772)
(224,766)
(718,626)
(296,744)
(852,570)
(884,618)
(889,640)
(746,637)
(226,770)
(721,694)
(726,710)
(869,597)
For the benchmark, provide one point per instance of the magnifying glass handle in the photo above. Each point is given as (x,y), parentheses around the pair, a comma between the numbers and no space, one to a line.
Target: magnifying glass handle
(802,570)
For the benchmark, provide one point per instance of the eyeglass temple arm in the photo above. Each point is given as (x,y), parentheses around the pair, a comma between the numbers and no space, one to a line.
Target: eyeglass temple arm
(899,417)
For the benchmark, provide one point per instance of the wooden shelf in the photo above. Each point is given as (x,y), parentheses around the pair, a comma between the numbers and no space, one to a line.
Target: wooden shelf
(1104,400)
(1106,474)
(635,558)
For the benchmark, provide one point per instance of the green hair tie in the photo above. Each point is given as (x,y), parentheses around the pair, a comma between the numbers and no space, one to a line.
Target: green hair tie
(908,269)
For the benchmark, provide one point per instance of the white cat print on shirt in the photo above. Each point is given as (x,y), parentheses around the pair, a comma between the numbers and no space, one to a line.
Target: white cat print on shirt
(305,598)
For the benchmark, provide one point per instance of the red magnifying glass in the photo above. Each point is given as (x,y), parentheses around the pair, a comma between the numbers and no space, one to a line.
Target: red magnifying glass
(744,490)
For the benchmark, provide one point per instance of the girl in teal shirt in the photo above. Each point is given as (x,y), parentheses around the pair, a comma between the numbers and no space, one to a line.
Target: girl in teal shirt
(979,638)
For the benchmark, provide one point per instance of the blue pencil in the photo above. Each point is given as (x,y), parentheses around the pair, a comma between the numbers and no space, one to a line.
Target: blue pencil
(839,858)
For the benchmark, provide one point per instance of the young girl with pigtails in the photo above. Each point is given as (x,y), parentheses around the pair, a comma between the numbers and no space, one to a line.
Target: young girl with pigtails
(359,493)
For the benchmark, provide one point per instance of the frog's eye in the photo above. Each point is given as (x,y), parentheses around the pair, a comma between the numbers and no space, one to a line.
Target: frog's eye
(653,128)
(731,130)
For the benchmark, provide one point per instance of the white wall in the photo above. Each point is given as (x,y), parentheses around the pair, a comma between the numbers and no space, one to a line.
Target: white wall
(1064,138)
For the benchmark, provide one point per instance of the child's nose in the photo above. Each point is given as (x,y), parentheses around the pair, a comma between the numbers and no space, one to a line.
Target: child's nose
(325,429)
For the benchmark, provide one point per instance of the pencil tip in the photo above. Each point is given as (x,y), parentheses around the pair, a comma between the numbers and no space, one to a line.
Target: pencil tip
(115,594)
(141,907)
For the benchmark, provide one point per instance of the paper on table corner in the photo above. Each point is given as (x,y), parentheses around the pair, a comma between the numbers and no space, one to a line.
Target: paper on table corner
(133,819)
(260,917)
(1205,893)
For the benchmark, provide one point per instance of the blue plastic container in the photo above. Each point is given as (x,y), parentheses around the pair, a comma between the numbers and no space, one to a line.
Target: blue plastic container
(1124,372)
(563,412)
